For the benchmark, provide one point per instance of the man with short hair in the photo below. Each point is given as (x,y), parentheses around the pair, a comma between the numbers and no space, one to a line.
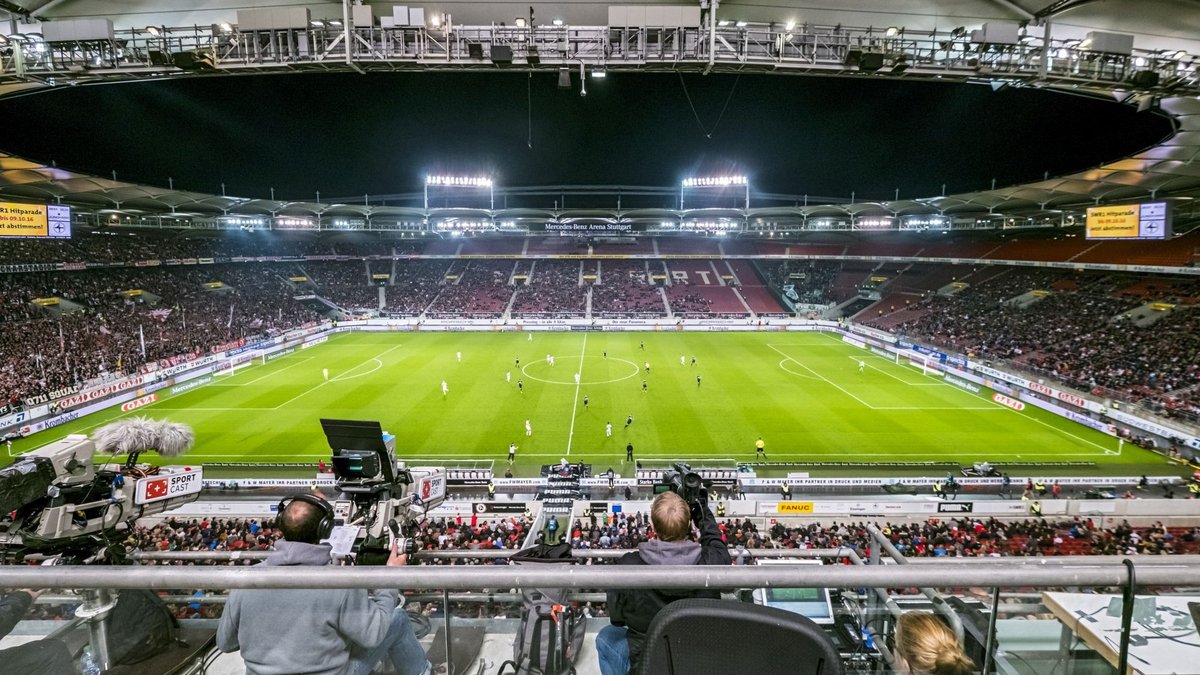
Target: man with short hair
(330,631)
(631,611)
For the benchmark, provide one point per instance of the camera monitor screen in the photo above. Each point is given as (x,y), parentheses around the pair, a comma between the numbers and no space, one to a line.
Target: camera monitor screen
(358,450)
(813,603)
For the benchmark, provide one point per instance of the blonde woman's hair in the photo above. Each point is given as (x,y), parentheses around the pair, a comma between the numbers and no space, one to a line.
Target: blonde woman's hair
(929,647)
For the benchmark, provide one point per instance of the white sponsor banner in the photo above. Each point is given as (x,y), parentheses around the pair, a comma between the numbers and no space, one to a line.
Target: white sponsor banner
(24,416)
(1010,402)
(191,384)
(1001,375)
(854,341)
(139,402)
(1152,427)
(962,384)
(1069,414)
(165,486)
(100,392)
(314,342)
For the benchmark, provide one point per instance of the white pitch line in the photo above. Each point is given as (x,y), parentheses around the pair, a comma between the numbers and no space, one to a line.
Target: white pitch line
(898,379)
(825,379)
(322,384)
(575,404)
(1031,418)
(272,374)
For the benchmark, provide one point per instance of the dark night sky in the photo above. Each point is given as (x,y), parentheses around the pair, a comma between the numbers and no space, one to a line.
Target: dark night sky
(346,134)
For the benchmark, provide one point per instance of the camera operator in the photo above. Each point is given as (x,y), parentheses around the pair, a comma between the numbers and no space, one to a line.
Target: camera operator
(40,657)
(631,611)
(318,631)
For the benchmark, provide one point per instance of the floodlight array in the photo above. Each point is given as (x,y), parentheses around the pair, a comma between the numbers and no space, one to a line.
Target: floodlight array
(714,181)
(459,181)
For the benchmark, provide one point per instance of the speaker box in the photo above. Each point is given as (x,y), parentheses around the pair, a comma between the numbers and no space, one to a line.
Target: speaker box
(532,57)
(158,58)
(1144,79)
(475,50)
(853,56)
(502,55)
(870,61)
(193,60)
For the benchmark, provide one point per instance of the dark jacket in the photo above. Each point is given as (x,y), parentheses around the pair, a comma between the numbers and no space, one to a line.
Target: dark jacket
(39,657)
(635,609)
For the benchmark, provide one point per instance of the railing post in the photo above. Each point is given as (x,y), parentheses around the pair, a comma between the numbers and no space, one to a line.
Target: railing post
(1130,594)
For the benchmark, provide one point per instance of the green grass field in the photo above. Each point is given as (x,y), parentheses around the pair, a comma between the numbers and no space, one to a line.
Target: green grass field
(802,392)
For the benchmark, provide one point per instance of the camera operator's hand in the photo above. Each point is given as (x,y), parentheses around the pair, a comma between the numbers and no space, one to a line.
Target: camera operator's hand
(395,558)
(699,506)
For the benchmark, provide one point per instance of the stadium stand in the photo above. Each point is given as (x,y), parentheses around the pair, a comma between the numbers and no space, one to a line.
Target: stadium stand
(552,290)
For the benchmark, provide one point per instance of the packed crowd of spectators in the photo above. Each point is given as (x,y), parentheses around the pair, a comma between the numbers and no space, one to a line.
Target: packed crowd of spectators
(482,290)
(415,285)
(813,283)
(553,291)
(624,291)
(1081,334)
(346,284)
(103,317)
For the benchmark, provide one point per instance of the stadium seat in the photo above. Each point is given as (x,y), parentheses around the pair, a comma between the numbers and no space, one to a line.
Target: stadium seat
(728,636)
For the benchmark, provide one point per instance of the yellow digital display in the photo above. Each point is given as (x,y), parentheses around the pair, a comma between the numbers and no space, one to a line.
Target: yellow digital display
(1129,221)
(34,220)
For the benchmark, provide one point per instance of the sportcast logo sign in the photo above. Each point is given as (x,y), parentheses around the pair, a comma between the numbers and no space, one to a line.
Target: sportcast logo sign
(157,488)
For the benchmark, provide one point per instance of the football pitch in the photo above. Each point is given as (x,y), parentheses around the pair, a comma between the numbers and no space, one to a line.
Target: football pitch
(803,393)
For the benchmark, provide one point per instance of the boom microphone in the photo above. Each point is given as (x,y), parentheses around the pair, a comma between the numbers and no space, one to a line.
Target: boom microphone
(136,435)
(141,434)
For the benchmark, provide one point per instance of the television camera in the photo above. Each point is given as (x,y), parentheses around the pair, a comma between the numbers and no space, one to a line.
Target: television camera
(380,498)
(686,483)
(55,501)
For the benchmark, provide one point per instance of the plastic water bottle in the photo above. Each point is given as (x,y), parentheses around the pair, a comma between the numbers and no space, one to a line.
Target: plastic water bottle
(88,664)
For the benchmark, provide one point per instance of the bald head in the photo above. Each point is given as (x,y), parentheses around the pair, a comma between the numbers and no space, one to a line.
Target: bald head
(301,522)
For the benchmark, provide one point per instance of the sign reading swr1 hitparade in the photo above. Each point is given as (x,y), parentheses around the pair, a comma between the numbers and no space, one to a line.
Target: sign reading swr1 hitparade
(34,220)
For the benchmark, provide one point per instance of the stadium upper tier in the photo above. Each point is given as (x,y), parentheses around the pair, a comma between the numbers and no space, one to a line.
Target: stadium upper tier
(130,246)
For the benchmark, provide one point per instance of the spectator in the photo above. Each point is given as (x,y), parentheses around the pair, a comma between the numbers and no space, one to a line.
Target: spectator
(925,646)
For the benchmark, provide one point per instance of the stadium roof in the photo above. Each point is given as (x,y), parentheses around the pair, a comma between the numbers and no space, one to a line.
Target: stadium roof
(1169,170)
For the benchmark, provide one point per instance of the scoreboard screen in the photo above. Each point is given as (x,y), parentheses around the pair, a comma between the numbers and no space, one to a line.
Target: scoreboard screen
(35,220)
(1148,220)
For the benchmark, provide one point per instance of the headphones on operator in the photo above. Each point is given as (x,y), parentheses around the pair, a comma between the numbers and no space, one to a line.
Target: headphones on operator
(325,527)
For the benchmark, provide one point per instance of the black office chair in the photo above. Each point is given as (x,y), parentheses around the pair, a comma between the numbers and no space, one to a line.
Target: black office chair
(728,636)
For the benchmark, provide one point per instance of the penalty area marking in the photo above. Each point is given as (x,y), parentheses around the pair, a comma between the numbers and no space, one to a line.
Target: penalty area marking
(340,375)
(901,380)
(792,372)
(525,372)
(263,377)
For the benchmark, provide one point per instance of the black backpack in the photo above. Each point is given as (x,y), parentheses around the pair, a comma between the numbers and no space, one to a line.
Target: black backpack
(551,631)
(139,627)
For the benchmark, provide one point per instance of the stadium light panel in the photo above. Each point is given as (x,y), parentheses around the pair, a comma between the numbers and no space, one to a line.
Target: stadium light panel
(714,181)
(789,26)
(519,21)
(741,24)
(599,73)
(557,22)
(892,31)
(154,30)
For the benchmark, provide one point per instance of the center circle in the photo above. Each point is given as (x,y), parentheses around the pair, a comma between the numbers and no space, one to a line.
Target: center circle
(631,364)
